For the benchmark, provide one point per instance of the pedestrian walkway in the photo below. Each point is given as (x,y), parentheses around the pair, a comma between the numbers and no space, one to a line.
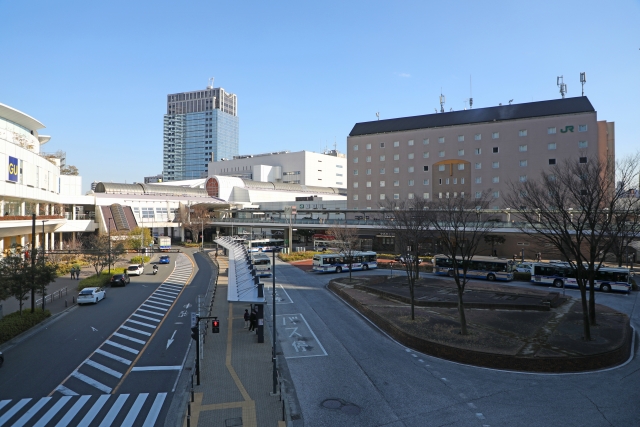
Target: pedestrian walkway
(236,372)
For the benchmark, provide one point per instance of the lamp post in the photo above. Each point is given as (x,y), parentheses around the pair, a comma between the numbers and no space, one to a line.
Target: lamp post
(273,298)
(43,239)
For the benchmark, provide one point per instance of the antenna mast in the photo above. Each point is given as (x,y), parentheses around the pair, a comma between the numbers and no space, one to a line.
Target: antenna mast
(210,83)
(583,80)
(378,115)
(470,94)
(561,85)
(441,101)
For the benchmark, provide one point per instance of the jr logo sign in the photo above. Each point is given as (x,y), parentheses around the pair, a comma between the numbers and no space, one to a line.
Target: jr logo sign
(566,129)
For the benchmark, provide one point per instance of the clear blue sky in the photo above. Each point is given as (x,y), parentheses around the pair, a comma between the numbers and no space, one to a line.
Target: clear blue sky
(97,73)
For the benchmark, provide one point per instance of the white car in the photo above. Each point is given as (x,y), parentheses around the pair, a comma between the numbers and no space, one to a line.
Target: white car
(523,267)
(91,295)
(135,270)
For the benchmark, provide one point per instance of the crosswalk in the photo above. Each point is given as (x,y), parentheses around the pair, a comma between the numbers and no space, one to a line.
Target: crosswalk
(85,397)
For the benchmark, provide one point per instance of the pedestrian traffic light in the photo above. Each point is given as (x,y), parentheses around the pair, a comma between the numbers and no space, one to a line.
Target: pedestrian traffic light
(195,331)
(215,326)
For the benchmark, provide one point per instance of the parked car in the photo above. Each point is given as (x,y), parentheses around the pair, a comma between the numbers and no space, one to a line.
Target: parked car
(402,258)
(135,270)
(523,267)
(164,259)
(120,279)
(91,295)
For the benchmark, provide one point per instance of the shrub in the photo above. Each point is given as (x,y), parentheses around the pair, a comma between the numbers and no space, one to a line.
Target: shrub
(298,256)
(14,324)
(140,259)
(95,281)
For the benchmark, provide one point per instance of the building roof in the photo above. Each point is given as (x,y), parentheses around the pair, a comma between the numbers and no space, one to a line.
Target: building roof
(553,107)
(19,117)
(149,189)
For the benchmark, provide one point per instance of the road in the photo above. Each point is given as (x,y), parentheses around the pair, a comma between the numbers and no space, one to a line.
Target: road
(113,363)
(347,372)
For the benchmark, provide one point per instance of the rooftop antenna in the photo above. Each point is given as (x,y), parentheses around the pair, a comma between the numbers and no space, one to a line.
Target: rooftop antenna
(441,101)
(510,101)
(210,83)
(470,94)
(378,115)
(561,85)
(583,80)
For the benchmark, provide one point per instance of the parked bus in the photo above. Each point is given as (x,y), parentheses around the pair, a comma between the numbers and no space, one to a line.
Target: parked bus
(262,264)
(606,279)
(262,245)
(479,267)
(334,262)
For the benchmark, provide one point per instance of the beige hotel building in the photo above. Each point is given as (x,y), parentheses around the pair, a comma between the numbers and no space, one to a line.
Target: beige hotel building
(464,153)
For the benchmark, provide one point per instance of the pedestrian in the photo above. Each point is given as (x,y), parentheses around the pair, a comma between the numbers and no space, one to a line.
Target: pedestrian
(514,256)
(73,271)
(77,273)
(252,320)
(246,319)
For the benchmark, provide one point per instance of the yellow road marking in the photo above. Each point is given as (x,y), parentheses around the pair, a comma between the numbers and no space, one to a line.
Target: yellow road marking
(248,410)
(232,371)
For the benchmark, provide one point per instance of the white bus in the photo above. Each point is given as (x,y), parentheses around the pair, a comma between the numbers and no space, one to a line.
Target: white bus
(607,279)
(262,264)
(479,267)
(263,245)
(334,262)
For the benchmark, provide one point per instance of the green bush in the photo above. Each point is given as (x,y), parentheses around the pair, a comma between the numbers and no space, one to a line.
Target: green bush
(140,259)
(99,281)
(298,256)
(14,324)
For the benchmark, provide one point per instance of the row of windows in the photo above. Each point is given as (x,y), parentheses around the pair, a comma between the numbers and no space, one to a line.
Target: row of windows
(477,137)
(441,195)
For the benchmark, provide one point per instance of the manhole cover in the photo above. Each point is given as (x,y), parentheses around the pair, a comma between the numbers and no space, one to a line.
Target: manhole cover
(332,404)
(351,409)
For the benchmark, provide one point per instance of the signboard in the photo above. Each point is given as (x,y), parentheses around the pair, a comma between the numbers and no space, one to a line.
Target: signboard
(193,319)
(14,169)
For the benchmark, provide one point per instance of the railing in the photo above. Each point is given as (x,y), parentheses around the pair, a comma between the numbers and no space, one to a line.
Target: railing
(49,298)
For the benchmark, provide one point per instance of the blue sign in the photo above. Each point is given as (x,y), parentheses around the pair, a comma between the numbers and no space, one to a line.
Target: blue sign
(13,169)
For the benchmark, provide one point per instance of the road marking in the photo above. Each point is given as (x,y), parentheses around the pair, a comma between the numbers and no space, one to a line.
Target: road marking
(64,422)
(151,312)
(103,368)
(154,307)
(4,403)
(94,329)
(155,410)
(146,317)
(479,415)
(141,323)
(135,410)
(127,337)
(51,412)
(113,412)
(122,347)
(166,285)
(471,405)
(156,368)
(64,390)
(136,330)
(11,412)
(31,412)
(170,340)
(94,410)
(165,293)
(114,357)
(153,300)
(91,382)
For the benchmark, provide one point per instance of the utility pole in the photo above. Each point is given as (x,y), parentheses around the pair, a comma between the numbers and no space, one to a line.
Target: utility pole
(33,263)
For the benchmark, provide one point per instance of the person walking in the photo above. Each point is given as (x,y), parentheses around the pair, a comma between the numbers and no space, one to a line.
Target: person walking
(77,273)
(246,319)
(252,320)
(72,271)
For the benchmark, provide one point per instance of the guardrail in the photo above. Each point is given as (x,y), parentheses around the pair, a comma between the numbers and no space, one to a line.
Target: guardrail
(49,298)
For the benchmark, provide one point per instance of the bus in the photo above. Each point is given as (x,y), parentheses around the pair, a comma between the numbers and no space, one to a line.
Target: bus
(262,245)
(479,267)
(262,264)
(334,262)
(607,279)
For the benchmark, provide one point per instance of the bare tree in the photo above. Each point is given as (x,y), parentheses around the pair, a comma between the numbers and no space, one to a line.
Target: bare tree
(457,222)
(346,241)
(577,208)
(493,240)
(193,218)
(408,219)
(97,253)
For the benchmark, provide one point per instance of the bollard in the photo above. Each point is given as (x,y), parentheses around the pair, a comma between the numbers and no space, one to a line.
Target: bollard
(188,420)
(73,299)
(65,303)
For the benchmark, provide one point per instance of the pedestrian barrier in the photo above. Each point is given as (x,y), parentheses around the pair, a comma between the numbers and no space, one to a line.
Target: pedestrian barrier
(49,298)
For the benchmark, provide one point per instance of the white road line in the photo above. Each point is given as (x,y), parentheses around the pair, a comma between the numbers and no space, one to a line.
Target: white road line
(103,368)
(153,300)
(136,330)
(146,317)
(135,410)
(11,412)
(52,412)
(113,412)
(178,288)
(86,421)
(64,422)
(123,347)
(166,294)
(127,337)
(31,412)
(3,403)
(151,312)
(157,368)
(155,410)
(97,384)
(153,306)
(64,390)
(170,291)
(141,323)
(113,356)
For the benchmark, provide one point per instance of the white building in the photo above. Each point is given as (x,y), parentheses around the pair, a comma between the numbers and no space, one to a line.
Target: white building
(327,169)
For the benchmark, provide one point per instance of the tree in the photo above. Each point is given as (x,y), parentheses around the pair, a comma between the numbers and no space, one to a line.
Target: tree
(45,273)
(408,219)
(494,239)
(458,224)
(69,170)
(579,210)
(96,252)
(139,238)
(193,218)
(346,240)
(15,271)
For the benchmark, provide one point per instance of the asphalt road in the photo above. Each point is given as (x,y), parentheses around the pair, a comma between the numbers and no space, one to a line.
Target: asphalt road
(363,378)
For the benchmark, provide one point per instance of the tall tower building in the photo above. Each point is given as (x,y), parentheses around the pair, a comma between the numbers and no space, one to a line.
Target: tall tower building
(199,127)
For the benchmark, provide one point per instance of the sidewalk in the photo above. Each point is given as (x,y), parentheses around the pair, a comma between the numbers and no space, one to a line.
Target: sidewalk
(236,372)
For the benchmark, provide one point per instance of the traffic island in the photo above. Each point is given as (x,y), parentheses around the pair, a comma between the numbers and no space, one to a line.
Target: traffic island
(508,328)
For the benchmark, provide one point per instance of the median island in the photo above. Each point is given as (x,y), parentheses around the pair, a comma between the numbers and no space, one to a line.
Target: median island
(509,328)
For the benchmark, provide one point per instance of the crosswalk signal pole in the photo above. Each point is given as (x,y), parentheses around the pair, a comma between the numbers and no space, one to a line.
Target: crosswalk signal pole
(195,334)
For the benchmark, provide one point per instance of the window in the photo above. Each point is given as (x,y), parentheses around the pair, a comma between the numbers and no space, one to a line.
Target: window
(439,195)
(425,155)
(425,141)
(355,171)
(447,181)
(396,183)
(583,160)
(410,142)
(523,163)
(582,144)
(496,179)
(338,174)
(523,178)
(523,148)
(495,135)
(396,144)
(495,149)
(368,159)
(396,157)
(425,195)
(522,132)
(460,166)
(368,171)
(478,165)
(382,197)
(495,165)
(369,184)
(382,183)
(461,180)
(355,197)
(582,128)
(478,194)
(477,136)
(478,150)
(440,153)
(551,146)
(410,156)
(425,182)
(355,147)
(355,160)
(460,152)
(551,131)
(396,170)
(441,168)
(355,185)
(410,196)
(455,180)
(425,168)
(478,180)
(441,140)
(447,194)
(496,194)
(410,169)
(382,171)
(368,146)
(439,181)
(460,138)
(382,158)
(368,197)
(552,161)
(396,196)
(411,183)
(382,145)
(339,166)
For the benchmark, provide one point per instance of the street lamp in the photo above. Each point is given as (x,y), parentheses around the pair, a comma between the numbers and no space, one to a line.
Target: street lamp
(273,296)
(43,239)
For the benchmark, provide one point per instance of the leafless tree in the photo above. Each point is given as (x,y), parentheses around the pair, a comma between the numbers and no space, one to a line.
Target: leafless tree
(193,218)
(346,241)
(458,224)
(408,220)
(578,209)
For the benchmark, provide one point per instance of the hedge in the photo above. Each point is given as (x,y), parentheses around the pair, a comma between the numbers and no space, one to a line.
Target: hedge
(140,259)
(96,281)
(14,324)
(298,256)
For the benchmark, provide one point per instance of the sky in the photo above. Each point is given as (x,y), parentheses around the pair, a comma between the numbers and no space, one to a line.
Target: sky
(97,74)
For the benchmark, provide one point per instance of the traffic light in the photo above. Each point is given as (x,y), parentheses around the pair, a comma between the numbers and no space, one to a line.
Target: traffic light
(195,331)
(215,326)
